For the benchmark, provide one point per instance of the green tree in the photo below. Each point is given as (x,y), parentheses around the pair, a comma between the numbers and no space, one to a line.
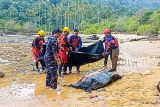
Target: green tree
(145,18)
(17,28)
(2,25)
(28,27)
(155,22)
(145,29)
(9,26)
(121,25)
(132,24)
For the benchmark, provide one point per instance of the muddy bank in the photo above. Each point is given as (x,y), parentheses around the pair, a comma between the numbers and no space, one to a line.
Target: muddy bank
(21,95)
(24,87)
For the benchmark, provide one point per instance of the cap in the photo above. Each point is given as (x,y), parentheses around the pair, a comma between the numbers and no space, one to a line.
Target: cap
(76,30)
(56,31)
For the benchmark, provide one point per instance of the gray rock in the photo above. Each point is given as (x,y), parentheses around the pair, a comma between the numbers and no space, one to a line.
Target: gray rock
(2,74)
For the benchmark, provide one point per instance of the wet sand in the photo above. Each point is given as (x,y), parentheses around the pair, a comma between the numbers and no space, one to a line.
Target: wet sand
(23,87)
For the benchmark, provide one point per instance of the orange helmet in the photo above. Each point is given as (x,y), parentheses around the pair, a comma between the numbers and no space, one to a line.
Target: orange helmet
(108,31)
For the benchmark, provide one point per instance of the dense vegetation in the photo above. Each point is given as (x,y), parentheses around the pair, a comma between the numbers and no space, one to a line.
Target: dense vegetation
(90,16)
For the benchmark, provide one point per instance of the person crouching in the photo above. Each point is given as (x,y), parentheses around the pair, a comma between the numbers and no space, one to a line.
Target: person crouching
(37,47)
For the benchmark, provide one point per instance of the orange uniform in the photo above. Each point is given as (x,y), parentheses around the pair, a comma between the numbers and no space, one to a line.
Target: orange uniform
(37,45)
(63,41)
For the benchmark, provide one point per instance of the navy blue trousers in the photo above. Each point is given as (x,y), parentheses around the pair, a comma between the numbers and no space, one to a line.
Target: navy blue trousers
(51,75)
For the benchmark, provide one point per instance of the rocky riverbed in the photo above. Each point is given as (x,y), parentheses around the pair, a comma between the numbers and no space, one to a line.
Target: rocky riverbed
(139,63)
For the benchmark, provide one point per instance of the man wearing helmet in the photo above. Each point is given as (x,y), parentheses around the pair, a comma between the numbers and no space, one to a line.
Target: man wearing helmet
(111,49)
(37,48)
(64,47)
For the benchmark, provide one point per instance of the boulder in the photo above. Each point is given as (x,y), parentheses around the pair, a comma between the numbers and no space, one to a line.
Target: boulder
(2,74)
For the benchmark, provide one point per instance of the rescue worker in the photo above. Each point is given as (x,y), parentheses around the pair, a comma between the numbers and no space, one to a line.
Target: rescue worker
(63,51)
(52,58)
(37,48)
(76,41)
(111,49)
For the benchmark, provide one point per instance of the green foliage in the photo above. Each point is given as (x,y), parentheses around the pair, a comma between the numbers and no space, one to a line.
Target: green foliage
(9,25)
(159,31)
(132,25)
(17,28)
(107,24)
(96,28)
(145,29)
(2,22)
(155,21)
(5,4)
(28,27)
(145,18)
(121,26)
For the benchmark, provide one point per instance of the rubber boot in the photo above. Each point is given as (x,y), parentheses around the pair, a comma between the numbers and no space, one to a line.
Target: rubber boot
(65,69)
(43,64)
(78,69)
(60,69)
(70,69)
(37,67)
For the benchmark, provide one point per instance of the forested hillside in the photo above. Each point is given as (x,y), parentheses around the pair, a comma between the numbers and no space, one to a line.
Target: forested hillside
(90,16)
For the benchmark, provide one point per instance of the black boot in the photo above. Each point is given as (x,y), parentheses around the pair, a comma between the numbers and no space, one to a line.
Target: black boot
(65,69)
(70,69)
(60,69)
(37,66)
(77,67)
(43,64)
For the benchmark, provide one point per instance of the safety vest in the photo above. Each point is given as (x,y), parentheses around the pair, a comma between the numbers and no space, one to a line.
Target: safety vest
(75,41)
(62,43)
(61,40)
(37,43)
(111,43)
